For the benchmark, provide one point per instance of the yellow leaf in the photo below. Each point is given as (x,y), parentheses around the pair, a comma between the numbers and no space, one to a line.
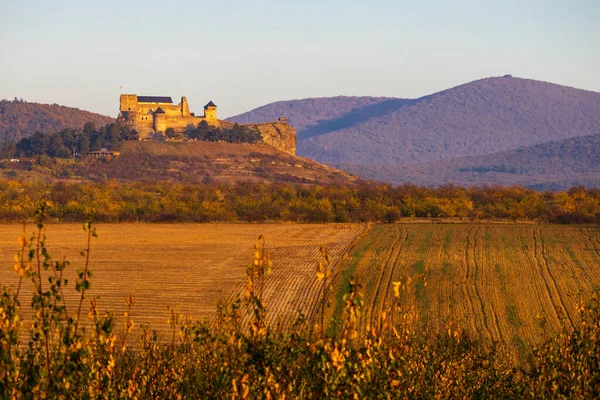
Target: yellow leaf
(23,241)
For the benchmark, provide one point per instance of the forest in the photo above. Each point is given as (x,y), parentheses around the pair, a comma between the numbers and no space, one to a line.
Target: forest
(112,201)
(20,118)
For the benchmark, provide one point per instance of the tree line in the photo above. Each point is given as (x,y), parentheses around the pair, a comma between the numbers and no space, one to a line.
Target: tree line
(68,143)
(111,201)
(19,118)
(204,131)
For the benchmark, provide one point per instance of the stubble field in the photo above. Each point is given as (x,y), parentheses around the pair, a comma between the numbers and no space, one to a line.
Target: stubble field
(189,267)
(513,284)
(510,283)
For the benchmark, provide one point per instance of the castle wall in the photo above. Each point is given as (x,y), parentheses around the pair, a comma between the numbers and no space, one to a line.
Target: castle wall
(168,108)
(179,124)
(145,120)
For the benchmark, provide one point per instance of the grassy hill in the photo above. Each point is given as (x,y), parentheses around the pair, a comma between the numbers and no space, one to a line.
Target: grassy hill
(19,119)
(203,162)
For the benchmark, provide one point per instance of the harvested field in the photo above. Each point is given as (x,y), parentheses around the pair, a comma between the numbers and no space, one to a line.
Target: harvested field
(513,284)
(188,267)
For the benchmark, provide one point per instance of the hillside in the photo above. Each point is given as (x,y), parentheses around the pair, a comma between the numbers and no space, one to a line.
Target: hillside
(487,116)
(556,165)
(205,162)
(306,113)
(19,119)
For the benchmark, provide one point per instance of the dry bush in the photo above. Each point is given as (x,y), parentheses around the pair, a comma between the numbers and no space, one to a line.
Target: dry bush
(241,355)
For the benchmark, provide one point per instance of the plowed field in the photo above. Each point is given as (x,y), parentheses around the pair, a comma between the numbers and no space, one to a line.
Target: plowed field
(512,284)
(186,266)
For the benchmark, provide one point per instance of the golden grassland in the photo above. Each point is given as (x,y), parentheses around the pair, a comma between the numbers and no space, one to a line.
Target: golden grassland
(431,299)
(510,283)
(189,267)
(513,284)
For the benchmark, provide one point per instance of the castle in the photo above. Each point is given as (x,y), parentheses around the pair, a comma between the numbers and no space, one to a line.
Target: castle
(153,114)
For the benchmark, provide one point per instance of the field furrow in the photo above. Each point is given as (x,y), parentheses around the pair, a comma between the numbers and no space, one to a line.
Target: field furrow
(507,283)
(542,266)
(471,317)
(478,282)
(189,267)
(292,289)
(384,281)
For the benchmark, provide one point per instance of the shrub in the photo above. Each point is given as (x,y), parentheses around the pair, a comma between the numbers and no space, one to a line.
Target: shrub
(240,355)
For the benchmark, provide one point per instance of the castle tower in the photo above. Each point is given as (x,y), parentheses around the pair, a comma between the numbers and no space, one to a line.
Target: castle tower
(159,122)
(128,107)
(210,112)
(185,108)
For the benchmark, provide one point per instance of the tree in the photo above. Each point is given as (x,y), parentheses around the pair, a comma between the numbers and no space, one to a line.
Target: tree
(170,133)
(88,128)
(84,145)
(202,131)
(391,215)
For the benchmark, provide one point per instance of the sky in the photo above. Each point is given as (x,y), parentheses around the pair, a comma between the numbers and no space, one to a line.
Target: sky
(245,54)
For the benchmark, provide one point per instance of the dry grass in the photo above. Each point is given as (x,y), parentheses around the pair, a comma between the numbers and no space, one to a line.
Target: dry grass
(514,284)
(188,267)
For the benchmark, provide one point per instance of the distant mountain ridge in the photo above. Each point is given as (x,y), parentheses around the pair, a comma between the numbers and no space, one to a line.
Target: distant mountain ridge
(556,165)
(486,116)
(306,113)
(19,119)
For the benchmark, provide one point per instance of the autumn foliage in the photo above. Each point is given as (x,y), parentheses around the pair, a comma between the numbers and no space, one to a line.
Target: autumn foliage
(111,201)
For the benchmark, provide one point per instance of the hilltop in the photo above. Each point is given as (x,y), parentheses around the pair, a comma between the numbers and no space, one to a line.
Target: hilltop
(486,116)
(198,162)
(19,119)
(211,162)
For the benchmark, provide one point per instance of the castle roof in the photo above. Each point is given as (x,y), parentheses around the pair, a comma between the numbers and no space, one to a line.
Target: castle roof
(210,104)
(154,99)
(159,111)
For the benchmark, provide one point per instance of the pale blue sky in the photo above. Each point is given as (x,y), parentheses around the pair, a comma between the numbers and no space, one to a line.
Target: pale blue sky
(244,54)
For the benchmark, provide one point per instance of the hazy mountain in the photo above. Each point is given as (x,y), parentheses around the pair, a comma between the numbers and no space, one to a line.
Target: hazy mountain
(21,118)
(487,116)
(305,113)
(556,165)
